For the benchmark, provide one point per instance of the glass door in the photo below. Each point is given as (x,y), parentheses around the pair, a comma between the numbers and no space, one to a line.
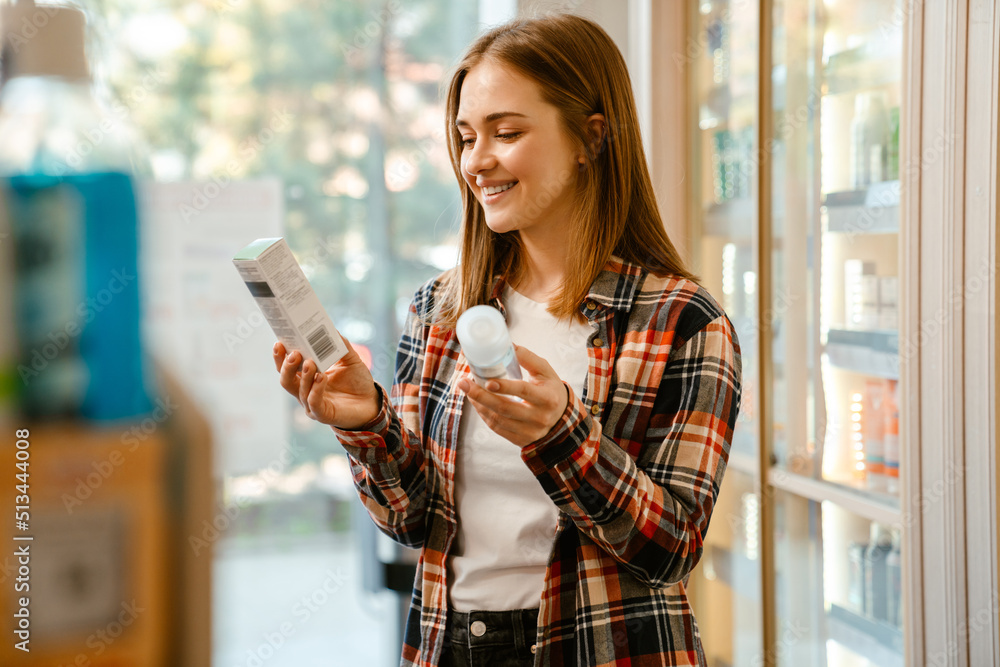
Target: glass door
(831,319)
(836,70)
(726,589)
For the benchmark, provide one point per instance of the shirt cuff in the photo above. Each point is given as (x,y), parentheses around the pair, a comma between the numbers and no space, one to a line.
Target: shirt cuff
(372,433)
(568,434)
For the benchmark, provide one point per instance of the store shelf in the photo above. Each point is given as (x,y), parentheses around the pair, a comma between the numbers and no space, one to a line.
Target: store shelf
(733,219)
(874,353)
(875,64)
(870,505)
(872,210)
(720,107)
(877,642)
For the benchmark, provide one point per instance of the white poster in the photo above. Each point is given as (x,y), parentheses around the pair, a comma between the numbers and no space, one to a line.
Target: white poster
(201,320)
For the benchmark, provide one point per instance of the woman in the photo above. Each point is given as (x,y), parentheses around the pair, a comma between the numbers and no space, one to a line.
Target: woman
(558,529)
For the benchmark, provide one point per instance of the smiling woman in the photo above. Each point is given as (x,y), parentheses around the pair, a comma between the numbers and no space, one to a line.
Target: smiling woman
(558,516)
(521,165)
(549,107)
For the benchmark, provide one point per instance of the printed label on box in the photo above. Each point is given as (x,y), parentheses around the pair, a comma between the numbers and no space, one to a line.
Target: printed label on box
(288,301)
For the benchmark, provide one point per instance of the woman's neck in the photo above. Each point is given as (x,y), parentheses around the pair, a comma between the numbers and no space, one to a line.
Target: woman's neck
(544,268)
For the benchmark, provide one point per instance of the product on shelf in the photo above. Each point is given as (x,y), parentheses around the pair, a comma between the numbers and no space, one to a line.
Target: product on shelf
(892,155)
(875,576)
(891,440)
(857,576)
(894,588)
(861,294)
(859,171)
(873,434)
(888,302)
(718,169)
(870,301)
(876,558)
(731,158)
(870,140)
(717,33)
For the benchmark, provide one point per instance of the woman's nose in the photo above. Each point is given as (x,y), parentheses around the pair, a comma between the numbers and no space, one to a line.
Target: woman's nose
(479,158)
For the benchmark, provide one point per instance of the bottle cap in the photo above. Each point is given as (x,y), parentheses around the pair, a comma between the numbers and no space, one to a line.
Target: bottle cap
(483,334)
(44,40)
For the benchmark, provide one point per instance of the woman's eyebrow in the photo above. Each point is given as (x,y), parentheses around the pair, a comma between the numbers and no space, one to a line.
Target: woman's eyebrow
(496,115)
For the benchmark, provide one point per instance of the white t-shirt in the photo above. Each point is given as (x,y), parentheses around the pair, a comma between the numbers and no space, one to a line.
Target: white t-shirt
(506,522)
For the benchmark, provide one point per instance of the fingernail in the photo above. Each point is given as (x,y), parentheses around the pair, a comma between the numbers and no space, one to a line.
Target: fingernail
(463,385)
(492,386)
(317,377)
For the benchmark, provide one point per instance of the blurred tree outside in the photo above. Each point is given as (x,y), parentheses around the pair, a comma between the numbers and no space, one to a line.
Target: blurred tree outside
(341,100)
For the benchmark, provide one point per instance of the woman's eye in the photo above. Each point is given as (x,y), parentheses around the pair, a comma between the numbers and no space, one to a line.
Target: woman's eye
(466,143)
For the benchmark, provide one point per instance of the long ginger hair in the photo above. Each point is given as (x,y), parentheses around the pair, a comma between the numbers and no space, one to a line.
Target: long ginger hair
(580,71)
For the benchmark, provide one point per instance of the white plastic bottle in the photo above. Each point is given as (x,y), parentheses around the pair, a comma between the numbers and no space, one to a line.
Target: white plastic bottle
(486,343)
(860,158)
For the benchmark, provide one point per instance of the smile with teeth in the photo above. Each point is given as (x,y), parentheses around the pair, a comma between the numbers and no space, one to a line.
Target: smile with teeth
(499,188)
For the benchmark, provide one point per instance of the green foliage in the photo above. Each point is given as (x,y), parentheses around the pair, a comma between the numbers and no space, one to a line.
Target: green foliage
(357,82)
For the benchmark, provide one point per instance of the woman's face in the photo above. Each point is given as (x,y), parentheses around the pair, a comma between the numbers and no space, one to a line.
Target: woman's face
(513,139)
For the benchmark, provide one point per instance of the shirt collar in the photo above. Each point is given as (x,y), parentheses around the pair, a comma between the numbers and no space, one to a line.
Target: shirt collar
(615,286)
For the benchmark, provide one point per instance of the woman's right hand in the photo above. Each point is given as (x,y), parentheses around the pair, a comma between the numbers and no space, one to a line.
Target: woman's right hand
(343,396)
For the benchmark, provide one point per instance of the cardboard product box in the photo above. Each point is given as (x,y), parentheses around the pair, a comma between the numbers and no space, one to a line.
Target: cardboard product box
(93,548)
(888,310)
(860,294)
(288,301)
(112,578)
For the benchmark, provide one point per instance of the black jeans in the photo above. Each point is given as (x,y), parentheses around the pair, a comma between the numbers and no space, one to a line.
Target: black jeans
(490,639)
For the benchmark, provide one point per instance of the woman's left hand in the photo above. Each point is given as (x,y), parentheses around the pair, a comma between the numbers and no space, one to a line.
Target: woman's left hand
(543,400)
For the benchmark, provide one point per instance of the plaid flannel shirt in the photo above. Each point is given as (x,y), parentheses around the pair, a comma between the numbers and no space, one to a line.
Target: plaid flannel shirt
(634,466)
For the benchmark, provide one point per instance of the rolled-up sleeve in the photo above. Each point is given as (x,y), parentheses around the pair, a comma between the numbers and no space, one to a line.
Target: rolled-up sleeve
(387,456)
(650,511)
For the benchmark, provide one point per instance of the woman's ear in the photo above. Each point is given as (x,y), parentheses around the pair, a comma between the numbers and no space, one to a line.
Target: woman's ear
(596,129)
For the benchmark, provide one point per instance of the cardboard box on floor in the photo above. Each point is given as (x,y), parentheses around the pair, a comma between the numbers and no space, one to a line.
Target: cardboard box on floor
(113,578)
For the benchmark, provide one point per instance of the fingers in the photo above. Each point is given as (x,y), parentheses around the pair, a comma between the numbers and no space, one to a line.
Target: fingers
(306,382)
(495,402)
(533,363)
(314,401)
(288,371)
(279,353)
(519,388)
(300,378)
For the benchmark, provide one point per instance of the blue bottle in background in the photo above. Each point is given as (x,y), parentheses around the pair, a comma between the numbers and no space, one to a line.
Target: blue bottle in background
(70,209)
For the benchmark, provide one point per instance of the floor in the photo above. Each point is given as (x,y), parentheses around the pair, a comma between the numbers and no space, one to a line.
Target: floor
(299,605)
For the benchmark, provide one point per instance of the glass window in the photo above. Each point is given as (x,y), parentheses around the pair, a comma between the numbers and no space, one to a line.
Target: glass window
(335,107)
(838,584)
(837,90)
(837,74)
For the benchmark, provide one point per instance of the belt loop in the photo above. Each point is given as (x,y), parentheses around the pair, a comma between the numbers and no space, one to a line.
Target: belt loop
(517,623)
(532,628)
(467,644)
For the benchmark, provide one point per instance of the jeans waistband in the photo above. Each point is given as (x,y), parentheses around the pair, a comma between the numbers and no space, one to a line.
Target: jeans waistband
(478,629)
